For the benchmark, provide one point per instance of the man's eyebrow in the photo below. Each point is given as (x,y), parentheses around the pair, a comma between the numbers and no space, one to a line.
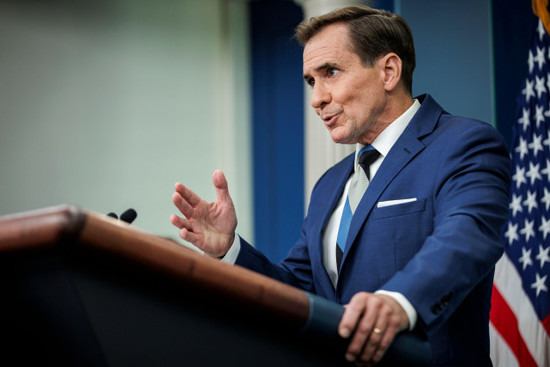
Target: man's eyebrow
(325,66)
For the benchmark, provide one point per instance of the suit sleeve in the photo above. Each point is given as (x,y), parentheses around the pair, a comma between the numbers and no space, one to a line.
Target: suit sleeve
(470,202)
(294,270)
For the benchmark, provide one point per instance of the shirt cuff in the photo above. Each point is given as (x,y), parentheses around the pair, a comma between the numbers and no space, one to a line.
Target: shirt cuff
(231,255)
(404,302)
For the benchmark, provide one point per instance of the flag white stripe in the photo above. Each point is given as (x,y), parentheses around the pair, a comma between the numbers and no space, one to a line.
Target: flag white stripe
(509,284)
(501,354)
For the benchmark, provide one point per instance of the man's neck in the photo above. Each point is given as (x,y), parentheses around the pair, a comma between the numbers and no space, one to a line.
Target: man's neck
(397,105)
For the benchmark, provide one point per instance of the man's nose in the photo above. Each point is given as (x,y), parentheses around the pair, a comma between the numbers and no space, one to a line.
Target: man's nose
(320,96)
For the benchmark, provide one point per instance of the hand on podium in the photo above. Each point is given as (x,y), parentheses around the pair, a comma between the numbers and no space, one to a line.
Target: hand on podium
(371,321)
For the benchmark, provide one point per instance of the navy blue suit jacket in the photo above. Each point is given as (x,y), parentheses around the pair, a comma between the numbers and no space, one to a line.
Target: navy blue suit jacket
(439,251)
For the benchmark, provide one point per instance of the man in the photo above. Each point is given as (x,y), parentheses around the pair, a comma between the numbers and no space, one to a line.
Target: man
(417,250)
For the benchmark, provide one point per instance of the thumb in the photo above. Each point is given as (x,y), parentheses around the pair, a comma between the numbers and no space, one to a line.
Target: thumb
(222,189)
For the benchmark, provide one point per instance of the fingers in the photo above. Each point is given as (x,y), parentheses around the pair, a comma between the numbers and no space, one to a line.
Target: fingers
(191,237)
(352,313)
(186,230)
(378,336)
(185,199)
(363,313)
(187,194)
(183,205)
(180,222)
(387,338)
(222,188)
(374,321)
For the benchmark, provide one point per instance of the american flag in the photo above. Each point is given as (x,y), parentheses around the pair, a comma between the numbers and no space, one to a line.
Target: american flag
(520,320)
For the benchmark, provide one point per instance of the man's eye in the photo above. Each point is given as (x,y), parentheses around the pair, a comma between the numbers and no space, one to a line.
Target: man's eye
(332,72)
(311,82)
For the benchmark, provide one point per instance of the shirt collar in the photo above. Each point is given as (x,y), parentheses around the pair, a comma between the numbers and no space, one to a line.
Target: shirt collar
(387,138)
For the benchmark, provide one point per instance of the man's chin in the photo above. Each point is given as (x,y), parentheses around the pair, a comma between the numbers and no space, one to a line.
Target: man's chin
(341,139)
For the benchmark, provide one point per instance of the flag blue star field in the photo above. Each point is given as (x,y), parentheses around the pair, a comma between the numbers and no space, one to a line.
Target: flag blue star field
(520,321)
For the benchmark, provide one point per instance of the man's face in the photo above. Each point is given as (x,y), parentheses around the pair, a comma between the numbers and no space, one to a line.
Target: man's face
(349,97)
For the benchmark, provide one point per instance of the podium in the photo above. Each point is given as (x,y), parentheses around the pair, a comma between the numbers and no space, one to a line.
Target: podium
(83,289)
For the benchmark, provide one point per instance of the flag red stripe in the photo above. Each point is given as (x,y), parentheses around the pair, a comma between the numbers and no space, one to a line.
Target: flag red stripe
(505,322)
(546,324)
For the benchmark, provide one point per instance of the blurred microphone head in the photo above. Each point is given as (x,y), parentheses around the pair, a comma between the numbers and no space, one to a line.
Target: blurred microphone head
(128,216)
(112,215)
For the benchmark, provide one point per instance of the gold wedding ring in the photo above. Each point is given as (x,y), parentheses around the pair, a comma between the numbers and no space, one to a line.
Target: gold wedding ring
(377,330)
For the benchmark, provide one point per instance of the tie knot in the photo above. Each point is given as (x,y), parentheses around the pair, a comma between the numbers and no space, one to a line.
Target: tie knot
(368,155)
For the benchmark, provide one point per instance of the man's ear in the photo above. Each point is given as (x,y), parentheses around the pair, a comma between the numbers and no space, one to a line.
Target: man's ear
(392,70)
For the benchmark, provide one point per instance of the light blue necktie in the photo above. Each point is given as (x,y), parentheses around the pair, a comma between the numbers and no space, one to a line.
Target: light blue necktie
(358,185)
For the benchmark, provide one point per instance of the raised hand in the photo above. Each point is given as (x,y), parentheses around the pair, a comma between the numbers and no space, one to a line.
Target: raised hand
(209,226)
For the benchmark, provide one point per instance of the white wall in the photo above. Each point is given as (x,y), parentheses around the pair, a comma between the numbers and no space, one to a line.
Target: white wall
(107,104)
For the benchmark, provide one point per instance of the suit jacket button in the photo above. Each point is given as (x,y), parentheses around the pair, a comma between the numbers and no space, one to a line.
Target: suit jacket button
(446,299)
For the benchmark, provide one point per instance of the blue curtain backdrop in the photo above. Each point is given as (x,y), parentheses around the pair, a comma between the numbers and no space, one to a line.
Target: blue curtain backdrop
(278,127)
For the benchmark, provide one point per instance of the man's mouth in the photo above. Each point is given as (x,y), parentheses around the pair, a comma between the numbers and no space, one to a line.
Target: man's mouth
(330,118)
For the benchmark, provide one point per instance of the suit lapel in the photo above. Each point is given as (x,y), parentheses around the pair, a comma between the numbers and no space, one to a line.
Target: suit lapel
(404,150)
(321,208)
(335,188)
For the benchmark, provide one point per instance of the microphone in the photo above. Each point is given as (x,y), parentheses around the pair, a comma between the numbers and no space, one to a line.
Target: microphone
(112,215)
(128,216)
